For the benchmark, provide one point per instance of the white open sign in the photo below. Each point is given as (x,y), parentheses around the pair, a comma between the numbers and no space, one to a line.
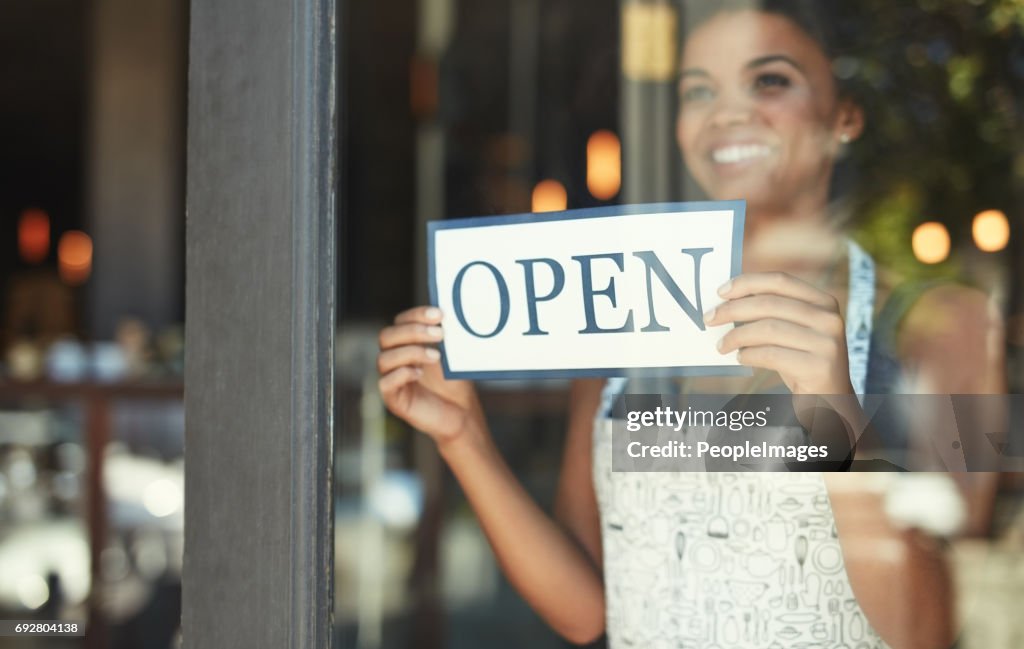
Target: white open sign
(598,292)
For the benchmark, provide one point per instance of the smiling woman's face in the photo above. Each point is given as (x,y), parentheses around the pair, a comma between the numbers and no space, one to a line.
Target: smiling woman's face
(760,118)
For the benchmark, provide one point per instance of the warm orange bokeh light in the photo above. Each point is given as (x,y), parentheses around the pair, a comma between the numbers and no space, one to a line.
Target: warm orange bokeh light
(549,196)
(604,165)
(34,236)
(74,257)
(930,242)
(991,230)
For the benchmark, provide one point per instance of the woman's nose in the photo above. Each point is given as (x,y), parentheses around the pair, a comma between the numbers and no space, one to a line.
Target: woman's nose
(730,111)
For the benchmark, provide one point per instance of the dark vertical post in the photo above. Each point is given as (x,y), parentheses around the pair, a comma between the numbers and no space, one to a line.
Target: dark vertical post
(97,430)
(260,277)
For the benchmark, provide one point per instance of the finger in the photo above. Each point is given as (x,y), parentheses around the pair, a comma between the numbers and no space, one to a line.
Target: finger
(397,379)
(783,360)
(759,307)
(424,314)
(391,359)
(777,283)
(412,333)
(772,331)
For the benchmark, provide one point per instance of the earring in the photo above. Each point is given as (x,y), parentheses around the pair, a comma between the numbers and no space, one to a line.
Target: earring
(845,138)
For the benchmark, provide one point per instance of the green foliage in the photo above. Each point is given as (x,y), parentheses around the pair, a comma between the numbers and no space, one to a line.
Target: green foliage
(942,83)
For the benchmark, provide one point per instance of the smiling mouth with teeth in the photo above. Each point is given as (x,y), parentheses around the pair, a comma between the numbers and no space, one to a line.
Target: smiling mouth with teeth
(739,153)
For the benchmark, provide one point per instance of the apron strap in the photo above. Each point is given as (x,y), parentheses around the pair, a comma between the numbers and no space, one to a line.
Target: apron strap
(860,315)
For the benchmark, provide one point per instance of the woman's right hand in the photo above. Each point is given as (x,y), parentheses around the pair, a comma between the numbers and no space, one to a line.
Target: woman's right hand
(412,382)
(542,561)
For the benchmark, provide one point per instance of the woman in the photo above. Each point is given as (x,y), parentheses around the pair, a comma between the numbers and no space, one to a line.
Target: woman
(762,118)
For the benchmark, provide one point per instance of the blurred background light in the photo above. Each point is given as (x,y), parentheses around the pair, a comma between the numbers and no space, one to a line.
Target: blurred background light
(991,230)
(396,498)
(32,552)
(34,236)
(33,591)
(549,196)
(162,498)
(74,257)
(604,165)
(930,242)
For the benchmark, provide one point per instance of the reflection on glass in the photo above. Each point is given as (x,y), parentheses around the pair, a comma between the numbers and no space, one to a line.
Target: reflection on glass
(851,138)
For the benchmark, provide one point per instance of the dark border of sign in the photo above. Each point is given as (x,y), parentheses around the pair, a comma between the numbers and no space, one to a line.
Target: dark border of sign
(738,209)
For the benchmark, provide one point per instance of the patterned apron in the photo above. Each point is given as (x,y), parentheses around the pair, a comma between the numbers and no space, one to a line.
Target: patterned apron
(696,560)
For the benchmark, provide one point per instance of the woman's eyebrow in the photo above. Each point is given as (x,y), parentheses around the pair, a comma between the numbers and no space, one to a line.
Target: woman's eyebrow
(759,61)
(772,58)
(693,72)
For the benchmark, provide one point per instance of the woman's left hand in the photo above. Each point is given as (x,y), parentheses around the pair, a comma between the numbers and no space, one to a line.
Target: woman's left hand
(788,326)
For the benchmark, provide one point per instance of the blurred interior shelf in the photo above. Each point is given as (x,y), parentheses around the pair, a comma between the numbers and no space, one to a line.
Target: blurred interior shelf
(96,398)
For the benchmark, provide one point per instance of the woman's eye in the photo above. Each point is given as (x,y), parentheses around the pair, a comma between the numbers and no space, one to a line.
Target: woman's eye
(696,93)
(771,81)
